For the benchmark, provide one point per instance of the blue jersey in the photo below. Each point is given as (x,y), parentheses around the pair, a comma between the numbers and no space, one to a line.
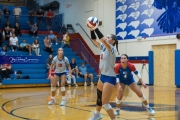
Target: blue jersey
(125,74)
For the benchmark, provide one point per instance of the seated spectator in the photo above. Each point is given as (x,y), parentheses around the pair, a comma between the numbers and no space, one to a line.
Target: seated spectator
(48,46)
(83,74)
(48,61)
(35,47)
(13,42)
(7,34)
(3,51)
(66,40)
(40,16)
(17,29)
(49,17)
(1,14)
(31,15)
(8,25)
(69,78)
(52,37)
(5,71)
(6,13)
(13,31)
(1,38)
(74,67)
(25,47)
(33,30)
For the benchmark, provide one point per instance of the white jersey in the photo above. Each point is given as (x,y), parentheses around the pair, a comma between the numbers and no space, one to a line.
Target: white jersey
(60,65)
(107,61)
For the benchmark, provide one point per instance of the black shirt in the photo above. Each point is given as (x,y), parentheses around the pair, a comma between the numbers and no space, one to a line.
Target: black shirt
(40,13)
(73,65)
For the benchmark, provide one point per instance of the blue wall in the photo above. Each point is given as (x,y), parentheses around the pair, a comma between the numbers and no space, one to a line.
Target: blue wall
(139,18)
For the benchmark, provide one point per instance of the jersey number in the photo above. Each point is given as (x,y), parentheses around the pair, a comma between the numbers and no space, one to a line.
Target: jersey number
(101,56)
(59,65)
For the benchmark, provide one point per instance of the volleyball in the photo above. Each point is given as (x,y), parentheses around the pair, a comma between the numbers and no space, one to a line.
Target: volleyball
(92,22)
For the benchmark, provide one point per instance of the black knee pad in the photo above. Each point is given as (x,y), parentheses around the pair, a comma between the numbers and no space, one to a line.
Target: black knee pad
(99,98)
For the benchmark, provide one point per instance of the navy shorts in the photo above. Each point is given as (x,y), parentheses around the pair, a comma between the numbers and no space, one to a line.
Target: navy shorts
(60,74)
(108,79)
(127,82)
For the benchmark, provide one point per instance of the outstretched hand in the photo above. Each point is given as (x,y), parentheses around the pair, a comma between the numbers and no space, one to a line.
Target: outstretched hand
(144,85)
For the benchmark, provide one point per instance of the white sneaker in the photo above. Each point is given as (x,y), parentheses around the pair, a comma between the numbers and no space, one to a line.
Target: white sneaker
(150,110)
(85,84)
(63,102)
(13,50)
(117,112)
(92,84)
(0,83)
(69,85)
(75,85)
(96,116)
(51,101)
(56,43)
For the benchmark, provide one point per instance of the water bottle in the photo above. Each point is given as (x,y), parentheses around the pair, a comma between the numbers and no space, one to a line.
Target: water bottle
(15,74)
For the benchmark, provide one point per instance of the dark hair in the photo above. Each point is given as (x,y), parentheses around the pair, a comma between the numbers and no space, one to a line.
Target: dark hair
(63,52)
(116,42)
(125,55)
(35,41)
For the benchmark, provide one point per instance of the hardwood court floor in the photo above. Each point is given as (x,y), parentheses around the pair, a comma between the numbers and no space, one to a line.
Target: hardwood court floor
(31,103)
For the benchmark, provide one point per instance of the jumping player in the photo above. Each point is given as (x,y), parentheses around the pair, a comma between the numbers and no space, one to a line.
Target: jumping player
(62,63)
(124,71)
(107,79)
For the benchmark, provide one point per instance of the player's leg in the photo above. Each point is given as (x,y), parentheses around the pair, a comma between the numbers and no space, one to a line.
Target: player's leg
(119,98)
(134,87)
(63,81)
(53,89)
(106,95)
(97,114)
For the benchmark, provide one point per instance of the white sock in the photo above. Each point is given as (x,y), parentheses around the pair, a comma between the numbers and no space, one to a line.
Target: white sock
(147,106)
(117,108)
(63,98)
(96,112)
(52,97)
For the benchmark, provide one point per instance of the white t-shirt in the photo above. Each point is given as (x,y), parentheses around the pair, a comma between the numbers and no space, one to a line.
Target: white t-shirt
(17,11)
(13,40)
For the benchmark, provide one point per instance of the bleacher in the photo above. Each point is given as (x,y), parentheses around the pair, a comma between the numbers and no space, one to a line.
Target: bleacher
(38,72)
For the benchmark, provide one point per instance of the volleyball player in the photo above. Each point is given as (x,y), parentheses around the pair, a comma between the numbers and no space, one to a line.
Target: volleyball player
(61,64)
(124,70)
(107,79)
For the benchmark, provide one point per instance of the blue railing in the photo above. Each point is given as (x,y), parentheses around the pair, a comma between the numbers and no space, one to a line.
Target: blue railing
(81,50)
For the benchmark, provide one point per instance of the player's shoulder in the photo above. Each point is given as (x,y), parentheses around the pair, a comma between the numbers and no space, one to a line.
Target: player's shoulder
(118,65)
(130,65)
(65,58)
(55,57)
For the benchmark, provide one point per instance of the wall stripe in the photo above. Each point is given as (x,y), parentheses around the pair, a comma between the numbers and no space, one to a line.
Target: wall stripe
(151,67)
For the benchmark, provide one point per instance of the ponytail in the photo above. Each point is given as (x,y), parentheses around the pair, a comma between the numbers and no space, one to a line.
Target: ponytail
(116,42)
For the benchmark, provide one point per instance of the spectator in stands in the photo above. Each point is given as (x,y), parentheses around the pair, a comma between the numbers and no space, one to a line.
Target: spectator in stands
(69,78)
(7,34)
(31,15)
(33,30)
(48,61)
(66,40)
(52,36)
(13,43)
(36,48)
(40,16)
(48,46)
(8,25)
(25,47)
(17,29)
(5,71)
(1,14)
(74,67)
(6,13)
(1,38)
(84,74)
(3,51)
(49,17)
(17,13)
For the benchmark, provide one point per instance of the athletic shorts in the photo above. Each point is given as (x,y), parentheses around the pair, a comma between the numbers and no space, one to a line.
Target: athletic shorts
(60,74)
(127,82)
(108,79)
